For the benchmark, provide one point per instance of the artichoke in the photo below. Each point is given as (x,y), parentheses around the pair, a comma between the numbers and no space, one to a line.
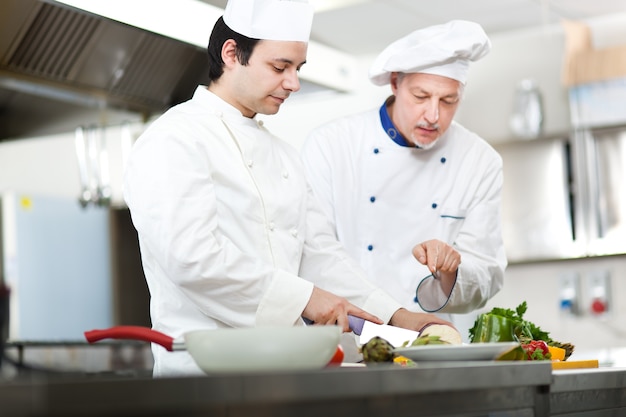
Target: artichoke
(378,350)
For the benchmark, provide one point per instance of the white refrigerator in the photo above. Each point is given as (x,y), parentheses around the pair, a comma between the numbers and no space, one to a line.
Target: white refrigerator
(56,260)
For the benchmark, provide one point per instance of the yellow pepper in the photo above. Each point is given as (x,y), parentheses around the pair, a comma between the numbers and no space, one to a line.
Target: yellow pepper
(557,353)
(402,361)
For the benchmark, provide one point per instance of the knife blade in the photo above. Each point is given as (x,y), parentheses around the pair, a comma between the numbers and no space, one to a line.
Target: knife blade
(366,330)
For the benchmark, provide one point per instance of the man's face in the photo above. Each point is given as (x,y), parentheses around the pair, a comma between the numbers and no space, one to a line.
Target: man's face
(269,78)
(424,107)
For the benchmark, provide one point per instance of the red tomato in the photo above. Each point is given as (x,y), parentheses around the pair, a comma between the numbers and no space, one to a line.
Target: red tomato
(537,350)
(337,358)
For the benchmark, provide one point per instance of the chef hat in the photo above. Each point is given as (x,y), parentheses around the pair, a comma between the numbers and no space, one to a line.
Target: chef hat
(278,20)
(442,50)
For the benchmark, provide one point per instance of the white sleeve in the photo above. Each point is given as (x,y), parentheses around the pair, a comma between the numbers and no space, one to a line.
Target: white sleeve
(325,261)
(483,259)
(327,264)
(171,195)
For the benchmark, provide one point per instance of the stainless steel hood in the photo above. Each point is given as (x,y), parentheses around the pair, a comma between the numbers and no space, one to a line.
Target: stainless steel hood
(56,60)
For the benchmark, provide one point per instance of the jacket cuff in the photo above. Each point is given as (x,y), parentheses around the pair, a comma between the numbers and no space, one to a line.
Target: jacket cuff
(382,305)
(284,301)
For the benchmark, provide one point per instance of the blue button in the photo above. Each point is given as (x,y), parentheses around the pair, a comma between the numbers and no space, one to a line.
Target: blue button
(376,150)
(434,205)
(372,199)
(443,160)
(370,247)
(415,299)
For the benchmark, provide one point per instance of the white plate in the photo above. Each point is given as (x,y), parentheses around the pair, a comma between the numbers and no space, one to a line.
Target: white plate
(465,352)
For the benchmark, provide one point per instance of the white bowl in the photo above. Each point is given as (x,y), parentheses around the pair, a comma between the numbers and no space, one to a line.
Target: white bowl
(263,348)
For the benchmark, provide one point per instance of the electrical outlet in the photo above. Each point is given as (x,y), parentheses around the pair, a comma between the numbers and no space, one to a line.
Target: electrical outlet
(569,294)
(598,291)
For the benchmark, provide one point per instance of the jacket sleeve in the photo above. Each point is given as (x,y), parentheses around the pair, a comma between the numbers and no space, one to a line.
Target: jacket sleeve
(172,198)
(483,260)
(327,264)
(325,261)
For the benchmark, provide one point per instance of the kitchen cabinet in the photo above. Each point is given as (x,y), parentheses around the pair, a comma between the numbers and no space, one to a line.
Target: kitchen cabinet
(602,156)
(598,118)
(592,392)
(537,205)
(564,197)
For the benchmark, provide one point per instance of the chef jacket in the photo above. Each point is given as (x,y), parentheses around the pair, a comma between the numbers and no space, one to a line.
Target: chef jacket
(229,231)
(384,198)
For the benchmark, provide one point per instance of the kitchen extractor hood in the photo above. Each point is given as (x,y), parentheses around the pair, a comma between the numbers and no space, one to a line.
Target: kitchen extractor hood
(53,53)
(61,63)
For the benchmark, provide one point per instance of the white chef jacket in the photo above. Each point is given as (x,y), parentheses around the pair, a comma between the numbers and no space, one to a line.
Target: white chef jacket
(383,199)
(230,234)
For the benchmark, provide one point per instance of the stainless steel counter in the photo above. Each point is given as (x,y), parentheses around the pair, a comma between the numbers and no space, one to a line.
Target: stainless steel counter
(589,392)
(433,389)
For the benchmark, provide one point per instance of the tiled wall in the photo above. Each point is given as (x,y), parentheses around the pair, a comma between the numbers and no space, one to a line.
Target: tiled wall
(539,285)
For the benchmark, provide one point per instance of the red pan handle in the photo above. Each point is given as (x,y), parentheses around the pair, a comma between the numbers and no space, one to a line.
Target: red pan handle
(133,333)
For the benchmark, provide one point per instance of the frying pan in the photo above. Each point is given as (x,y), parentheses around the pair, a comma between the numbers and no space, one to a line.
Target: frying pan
(243,349)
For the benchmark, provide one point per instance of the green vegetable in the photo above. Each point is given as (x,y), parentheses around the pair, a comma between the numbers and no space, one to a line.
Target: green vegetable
(377,350)
(493,328)
(428,340)
(504,325)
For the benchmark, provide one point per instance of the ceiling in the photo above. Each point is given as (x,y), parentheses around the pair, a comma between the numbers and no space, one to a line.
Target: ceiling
(366,26)
(55,89)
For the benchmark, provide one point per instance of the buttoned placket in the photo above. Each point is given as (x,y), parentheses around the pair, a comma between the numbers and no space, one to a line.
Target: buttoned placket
(372,199)
(434,204)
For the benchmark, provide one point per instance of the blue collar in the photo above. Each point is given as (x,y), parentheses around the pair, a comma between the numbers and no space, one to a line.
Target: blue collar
(390,129)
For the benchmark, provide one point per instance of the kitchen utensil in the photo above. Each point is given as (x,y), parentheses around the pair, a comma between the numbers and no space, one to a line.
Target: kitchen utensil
(83,170)
(243,349)
(526,122)
(581,364)
(366,330)
(4,318)
(93,170)
(4,293)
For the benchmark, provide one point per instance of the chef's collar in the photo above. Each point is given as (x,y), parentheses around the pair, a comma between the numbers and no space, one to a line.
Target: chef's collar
(217,105)
(389,127)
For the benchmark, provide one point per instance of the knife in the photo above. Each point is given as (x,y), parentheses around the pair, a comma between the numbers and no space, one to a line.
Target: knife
(366,330)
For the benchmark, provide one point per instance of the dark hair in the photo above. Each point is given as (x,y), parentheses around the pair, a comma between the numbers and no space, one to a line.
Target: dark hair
(220,34)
